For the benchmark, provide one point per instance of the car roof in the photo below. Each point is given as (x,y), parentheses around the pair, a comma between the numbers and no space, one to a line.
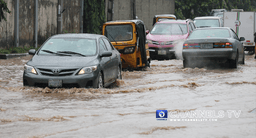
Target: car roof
(137,21)
(219,10)
(208,28)
(167,15)
(173,21)
(78,35)
(207,17)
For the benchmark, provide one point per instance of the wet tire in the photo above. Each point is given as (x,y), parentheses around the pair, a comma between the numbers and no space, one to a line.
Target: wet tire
(99,81)
(25,83)
(251,52)
(185,63)
(119,76)
(243,59)
(233,63)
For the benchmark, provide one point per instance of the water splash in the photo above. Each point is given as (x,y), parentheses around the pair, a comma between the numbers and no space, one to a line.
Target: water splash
(178,46)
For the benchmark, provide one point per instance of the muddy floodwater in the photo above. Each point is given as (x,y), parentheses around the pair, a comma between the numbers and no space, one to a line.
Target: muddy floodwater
(227,97)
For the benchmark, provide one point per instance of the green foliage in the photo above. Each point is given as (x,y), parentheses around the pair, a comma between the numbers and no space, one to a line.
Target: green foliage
(94,16)
(17,50)
(3,8)
(65,31)
(193,8)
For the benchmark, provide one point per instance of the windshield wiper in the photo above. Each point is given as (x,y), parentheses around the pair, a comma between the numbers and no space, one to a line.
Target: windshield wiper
(51,52)
(71,52)
(203,26)
(112,37)
(181,29)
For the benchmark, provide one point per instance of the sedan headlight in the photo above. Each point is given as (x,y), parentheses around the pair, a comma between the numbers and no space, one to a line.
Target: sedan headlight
(87,70)
(29,69)
(149,42)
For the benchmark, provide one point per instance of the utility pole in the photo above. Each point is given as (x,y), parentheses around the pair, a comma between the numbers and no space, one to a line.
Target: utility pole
(16,22)
(59,17)
(36,23)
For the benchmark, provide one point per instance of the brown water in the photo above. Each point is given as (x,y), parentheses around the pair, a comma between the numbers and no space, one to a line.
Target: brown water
(127,108)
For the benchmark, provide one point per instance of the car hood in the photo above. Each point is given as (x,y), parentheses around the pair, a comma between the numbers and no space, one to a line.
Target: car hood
(166,37)
(62,61)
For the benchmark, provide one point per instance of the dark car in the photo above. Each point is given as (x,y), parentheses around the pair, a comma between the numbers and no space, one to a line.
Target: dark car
(219,43)
(73,60)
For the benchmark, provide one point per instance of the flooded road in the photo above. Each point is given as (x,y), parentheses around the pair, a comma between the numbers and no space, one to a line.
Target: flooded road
(128,109)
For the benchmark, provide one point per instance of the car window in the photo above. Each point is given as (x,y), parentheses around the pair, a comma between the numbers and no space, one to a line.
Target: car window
(102,46)
(109,46)
(82,46)
(207,23)
(209,33)
(169,29)
(190,28)
(119,32)
(193,26)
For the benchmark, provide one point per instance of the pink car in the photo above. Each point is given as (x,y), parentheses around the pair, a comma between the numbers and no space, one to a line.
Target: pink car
(161,38)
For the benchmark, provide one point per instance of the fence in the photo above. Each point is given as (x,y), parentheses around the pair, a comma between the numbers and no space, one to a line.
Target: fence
(25,30)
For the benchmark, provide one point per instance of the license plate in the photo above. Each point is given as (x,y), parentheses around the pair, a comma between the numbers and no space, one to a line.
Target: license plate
(206,46)
(161,52)
(55,83)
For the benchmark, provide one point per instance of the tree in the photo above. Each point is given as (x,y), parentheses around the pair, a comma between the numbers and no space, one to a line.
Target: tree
(94,16)
(193,8)
(3,8)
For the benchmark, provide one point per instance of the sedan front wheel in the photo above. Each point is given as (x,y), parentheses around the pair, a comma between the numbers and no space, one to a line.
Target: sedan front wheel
(99,82)
(119,75)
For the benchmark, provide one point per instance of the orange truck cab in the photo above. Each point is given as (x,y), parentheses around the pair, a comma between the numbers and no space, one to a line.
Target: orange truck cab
(129,38)
(163,17)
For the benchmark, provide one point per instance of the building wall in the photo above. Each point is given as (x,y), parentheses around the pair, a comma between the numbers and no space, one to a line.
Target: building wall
(145,10)
(47,21)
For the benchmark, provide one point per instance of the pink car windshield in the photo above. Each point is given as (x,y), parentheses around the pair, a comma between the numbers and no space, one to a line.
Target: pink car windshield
(169,29)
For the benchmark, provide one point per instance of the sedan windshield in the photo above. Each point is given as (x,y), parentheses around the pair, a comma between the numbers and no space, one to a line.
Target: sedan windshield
(169,29)
(207,23)
(69,46)
(119,32)
(209,33)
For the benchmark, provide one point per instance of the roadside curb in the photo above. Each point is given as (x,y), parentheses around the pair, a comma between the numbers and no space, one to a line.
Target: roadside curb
(8,56)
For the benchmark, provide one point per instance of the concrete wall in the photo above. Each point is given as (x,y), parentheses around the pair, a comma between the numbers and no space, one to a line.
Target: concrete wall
(145,9)
(47,21)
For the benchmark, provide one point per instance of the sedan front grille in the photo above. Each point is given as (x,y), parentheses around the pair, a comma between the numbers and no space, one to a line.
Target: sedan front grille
(57,72)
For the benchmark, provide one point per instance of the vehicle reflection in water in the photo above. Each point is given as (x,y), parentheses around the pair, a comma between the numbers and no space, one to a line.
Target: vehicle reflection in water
(166,85)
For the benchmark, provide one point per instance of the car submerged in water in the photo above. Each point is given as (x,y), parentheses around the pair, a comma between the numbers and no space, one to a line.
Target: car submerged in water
(73,60)
(216,43)
(162,37)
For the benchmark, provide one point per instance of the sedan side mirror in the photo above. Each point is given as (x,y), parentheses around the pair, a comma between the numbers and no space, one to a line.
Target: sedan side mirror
(32,52)
(241,39)
(106,54)
(147,31)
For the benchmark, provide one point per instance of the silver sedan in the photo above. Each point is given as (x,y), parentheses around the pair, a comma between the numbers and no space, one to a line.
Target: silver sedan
(220,44)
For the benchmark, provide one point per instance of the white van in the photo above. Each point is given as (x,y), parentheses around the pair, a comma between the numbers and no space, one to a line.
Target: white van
(208,21)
